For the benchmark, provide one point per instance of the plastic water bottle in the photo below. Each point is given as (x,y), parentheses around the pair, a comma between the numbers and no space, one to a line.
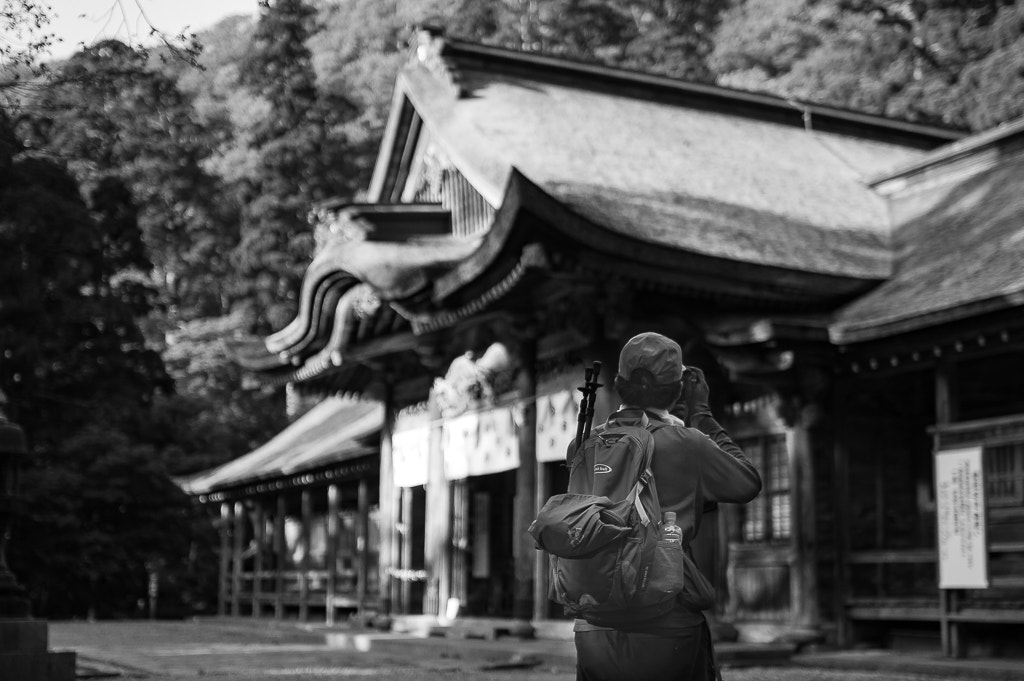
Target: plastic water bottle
(670,531)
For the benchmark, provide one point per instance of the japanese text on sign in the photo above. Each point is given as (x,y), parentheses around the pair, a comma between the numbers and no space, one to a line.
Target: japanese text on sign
(960,510)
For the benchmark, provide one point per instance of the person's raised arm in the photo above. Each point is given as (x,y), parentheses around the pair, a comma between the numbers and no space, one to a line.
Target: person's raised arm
(726,475)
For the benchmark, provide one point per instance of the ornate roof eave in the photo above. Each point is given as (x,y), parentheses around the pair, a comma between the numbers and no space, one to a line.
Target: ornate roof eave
(364,463)
(882,329)
(532,258)
(765,349)
(393,270)
(606,250)
(736,332)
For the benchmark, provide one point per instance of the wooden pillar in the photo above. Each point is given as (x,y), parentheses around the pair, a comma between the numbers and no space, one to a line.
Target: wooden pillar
(540,559)
(236,559)
(525,503)
(437,540)
(280,562)
(362,542)
(333,497)
(841,495)
(458,546)
(260,527)
(407,544)
(224,585)
(804,570)
(946,409)
(307,517)
(388,503)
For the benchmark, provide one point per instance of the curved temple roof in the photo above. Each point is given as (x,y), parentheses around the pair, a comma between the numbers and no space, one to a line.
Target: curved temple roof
(328,433)
(656,163)
(960,243)
(688,179)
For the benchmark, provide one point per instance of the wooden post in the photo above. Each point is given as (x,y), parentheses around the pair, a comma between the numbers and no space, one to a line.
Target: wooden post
(437,547)
(333,497)
(841,494)
(407,543)
(946,409)
(388,502)
(804,571)
(540,559)
(236,559)
(307,518)
(280,547)
(362,542)
(260,526)
(224,586)
(460,541)
(880,515)
(525,509)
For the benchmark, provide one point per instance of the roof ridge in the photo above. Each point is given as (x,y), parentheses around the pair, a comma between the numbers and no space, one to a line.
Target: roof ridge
(438,52)
(954,151)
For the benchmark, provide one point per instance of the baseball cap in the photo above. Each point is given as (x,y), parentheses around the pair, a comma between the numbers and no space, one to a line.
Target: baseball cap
(658,354)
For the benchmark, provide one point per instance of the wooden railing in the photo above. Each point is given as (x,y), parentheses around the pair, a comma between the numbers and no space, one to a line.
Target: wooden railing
(253,591)
(935,608)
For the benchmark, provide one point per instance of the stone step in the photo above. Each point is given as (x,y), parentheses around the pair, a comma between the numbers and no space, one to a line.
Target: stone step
(38,666)
(23,636)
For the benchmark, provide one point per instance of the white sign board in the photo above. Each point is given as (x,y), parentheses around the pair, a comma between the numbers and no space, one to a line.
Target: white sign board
(410,452)
(960,510)
(557,418)
(480,443)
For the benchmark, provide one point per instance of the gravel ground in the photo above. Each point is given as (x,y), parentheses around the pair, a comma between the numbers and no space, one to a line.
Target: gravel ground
(173,651)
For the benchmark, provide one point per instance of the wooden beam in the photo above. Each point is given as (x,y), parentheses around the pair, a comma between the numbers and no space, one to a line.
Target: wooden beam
(333,497)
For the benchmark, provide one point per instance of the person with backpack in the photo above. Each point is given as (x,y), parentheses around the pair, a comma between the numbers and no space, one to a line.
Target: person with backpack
(643,625)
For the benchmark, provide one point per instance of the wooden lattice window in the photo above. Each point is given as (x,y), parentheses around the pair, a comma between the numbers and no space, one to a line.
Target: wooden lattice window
(1004,474)
(767,517)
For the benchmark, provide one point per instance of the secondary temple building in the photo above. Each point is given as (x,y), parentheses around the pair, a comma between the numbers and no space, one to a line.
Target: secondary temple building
(851,286)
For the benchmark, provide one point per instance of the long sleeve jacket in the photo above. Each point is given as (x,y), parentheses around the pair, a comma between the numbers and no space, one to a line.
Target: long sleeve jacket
(692,466)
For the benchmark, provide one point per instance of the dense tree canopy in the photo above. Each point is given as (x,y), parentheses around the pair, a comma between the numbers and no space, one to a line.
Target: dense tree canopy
(672,37)
(101,113)
(300,152)
(955,63)
(81,381)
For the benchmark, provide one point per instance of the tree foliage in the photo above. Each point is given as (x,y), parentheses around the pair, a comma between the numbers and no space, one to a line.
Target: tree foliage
(937,61)
(299,148)
(81,381)
(671,37)
(101,113)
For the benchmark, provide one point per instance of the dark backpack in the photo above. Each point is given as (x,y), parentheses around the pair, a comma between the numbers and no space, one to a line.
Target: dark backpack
(602,536)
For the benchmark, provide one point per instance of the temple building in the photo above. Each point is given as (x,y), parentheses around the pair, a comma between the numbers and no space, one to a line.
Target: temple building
(851,286)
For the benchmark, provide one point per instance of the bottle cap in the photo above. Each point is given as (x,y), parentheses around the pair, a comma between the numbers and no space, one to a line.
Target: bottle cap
(670,517)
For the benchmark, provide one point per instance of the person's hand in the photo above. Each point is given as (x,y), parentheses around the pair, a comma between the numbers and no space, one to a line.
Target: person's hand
(693,400)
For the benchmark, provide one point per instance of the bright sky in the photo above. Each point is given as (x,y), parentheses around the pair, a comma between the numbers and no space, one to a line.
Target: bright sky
(87,21)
